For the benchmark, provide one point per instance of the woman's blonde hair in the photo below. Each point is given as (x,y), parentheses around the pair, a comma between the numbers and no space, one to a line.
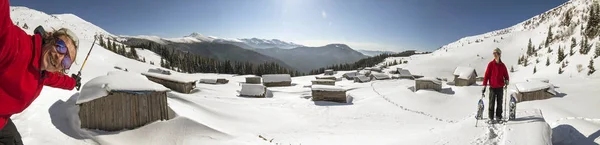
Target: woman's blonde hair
(55,35)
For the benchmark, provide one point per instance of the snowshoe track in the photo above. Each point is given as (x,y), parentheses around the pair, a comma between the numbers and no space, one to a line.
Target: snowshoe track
(411,110)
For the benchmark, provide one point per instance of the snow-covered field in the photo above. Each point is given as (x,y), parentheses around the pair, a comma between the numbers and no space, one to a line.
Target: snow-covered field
(380,112)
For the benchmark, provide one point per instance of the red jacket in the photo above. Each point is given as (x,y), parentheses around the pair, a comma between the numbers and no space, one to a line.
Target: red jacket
(496,73)
(21,79)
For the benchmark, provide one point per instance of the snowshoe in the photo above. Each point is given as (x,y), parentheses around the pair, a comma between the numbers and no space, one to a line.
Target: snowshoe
(480,107)
(512,108)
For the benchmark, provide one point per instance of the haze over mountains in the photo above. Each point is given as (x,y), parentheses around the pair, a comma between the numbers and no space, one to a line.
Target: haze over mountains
(255,50)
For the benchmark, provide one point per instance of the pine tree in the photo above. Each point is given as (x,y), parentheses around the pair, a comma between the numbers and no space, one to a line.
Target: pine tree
(102,42)
(530,48)
(534,69)
(591,67)
(561,54)
(549,37)
(134,53)
(512,69)
(526,61)
(567,20)
(109,45)
(114,45)
(597,51)
(560,71)
(548,61)
(573,44)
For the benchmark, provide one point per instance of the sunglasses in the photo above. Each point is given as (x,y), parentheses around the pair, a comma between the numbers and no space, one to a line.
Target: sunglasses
(61,47)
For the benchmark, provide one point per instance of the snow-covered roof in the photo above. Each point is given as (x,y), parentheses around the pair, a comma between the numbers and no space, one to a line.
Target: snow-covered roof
(434,80)
(325,77)
(116,81)
(534,86)
(539,80)
(351,74)
(270,78)
(160,71)
(464,72)
(380,76)
(174,78)
(208,81)
(323,80)
(404,73)
(364,71)
(327,88)
(329,70)
(362,78)
(252,89)
(376,69)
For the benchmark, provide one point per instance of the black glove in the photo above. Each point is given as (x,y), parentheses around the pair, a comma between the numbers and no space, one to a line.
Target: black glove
(77,80)
(483,90)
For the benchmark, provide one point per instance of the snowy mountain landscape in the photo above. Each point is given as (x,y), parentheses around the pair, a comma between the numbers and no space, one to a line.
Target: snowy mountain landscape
(377,112)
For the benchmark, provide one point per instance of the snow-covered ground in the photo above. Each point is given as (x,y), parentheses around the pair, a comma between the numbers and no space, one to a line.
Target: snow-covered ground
(380,112)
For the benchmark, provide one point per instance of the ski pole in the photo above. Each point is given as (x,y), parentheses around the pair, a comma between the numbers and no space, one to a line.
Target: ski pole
(86,58)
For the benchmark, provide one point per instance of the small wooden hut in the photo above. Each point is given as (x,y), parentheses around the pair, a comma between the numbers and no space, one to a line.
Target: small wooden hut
(253,80)
(329,72)
(534,90)
(379,76)
(326,78)
(428,83)
(328,93)
(323,82)
(464,76)
(365,72)
(253,90)
(361,79)
(121,100)
(214,81)
(376,69)
(350,75)
(403,74)
(277,80)
(172,82)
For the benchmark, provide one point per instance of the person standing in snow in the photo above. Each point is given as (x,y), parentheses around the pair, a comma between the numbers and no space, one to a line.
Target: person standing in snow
(497,75)
(27,63)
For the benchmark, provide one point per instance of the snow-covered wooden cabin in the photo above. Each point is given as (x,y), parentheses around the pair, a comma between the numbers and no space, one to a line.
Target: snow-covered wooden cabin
(214,81)
(326,77)
(160,71)
(172,82)
(403,74)
(277,80)
(361,79)
(428,83)
(350,75)
(534,90)
(464,76)
(365,72)
(376,69)
(379,76)
(323,82)
(253,90)
(253,80)
(329,72)
(121,100)
(328,93)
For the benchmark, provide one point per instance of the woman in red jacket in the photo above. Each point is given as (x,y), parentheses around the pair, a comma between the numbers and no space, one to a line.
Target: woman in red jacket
(27,63)
(497,75)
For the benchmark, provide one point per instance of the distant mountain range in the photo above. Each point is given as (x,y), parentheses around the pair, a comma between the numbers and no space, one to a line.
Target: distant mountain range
(374,53)
(255,50)
(307,58)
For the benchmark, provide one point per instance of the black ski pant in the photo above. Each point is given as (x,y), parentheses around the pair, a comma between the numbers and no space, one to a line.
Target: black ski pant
(495,103)
(9,135)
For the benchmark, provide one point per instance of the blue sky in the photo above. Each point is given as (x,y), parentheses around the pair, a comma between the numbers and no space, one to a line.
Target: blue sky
(363,24)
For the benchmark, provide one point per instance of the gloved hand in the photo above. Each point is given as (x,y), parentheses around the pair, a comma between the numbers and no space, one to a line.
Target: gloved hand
(77,80)
(483,90)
